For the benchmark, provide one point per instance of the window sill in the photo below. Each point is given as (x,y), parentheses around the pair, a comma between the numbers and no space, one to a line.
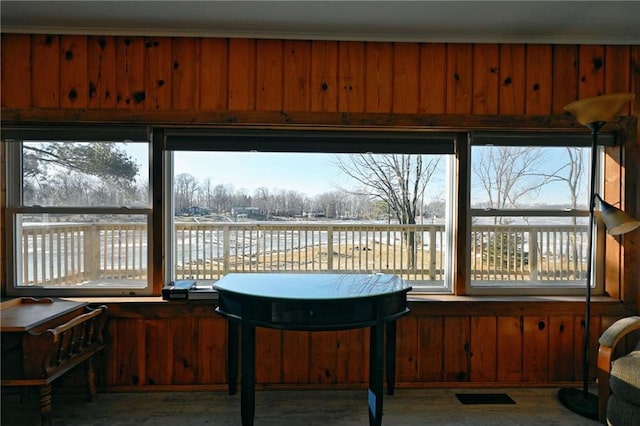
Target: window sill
(420,305)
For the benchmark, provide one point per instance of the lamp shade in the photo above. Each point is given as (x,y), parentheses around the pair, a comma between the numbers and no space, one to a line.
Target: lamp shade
(598,108)
(616,221)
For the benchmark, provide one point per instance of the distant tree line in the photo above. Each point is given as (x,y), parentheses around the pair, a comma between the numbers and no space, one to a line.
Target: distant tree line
(222,198)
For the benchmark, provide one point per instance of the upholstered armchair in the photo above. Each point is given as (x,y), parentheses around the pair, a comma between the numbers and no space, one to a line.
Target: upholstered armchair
(619,374)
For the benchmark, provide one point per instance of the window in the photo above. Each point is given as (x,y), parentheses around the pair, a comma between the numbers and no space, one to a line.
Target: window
(529,213)
(78,211)
(311,201)
(305,199)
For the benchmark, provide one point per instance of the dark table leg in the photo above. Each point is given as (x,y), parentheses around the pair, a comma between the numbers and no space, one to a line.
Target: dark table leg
(248,374)
(391,357)
(233,336)
(376,374)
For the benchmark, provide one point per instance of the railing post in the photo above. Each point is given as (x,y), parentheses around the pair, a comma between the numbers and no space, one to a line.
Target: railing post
(533,255)
(226,249)
(92,252)
(330,248)
(432,252)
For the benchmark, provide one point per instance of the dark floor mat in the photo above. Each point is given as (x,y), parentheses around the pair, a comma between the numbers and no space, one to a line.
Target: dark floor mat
(484,398)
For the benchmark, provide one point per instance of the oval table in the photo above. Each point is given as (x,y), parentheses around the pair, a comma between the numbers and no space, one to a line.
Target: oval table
(311,302)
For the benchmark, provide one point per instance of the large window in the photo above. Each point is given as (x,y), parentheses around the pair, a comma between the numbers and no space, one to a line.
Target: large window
(529,213)
(321,201)
(78,211)
(246,199)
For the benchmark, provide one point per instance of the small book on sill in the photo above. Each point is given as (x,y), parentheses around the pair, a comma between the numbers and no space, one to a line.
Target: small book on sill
(178,289)
(203,293)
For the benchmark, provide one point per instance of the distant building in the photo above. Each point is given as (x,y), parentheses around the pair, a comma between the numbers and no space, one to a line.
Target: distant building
(194,211)
(241,212)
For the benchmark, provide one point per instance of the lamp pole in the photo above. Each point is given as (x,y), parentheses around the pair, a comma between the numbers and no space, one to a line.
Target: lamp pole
(593,113)
(595,130)
(581,401)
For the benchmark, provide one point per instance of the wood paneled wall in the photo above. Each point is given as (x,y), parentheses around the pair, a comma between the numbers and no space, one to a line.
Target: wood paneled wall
(163,73)
(441,343)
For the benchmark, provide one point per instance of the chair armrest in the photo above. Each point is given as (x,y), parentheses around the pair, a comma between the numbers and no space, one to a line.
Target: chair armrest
(619,330)
(608,342)
(611,337)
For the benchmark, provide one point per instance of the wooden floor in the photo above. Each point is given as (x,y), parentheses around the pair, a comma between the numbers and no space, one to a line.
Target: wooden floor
(296,408)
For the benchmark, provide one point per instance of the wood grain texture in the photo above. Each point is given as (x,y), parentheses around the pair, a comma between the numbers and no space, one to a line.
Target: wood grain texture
(430,344)
(158,72)
(269,75)
(483,349)
(535,349)
(565,77)
(212,350)
(561,348)
(323,357)
(591,71)
(101,70)
(456,348)
(513,66)
(538,88)
(406,77)
(158,345)
(459,78)
(129,72)
(295,357)
(351,76)
(380,77)
(407,355)
(185,77)
(185,350)
(269,349)
(297,75)
(16,70)
(242,74)
(45,71)
(509,349)
(214,74)
(352,361)
(324,76)
(433,78)
(486,78)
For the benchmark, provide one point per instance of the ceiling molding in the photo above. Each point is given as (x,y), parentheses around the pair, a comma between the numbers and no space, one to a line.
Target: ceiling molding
(454,21)
(328,36)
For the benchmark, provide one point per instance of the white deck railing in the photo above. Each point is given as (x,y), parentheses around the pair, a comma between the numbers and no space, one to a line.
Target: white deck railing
(71,254)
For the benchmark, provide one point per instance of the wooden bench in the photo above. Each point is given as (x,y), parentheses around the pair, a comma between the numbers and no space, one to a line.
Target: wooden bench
(48,354)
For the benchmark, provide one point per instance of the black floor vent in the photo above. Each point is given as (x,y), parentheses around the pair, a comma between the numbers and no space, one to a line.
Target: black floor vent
(484,398)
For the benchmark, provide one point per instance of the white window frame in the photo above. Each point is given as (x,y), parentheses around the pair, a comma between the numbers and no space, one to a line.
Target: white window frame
(12,142)
(534,288)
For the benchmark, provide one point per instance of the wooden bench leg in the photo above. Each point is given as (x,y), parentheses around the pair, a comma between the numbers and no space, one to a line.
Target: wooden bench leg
(91,379)
(45,405)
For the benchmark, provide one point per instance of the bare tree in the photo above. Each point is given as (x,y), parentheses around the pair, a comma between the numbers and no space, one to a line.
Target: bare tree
(399,180)
(186,188)
(572,173)
(222,198)
(263,200)
(206,193)
(510,174)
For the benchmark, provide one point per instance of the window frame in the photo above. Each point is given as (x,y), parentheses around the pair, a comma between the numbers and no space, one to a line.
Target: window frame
(12,140)
(332,139)
(514,138)
(620,187)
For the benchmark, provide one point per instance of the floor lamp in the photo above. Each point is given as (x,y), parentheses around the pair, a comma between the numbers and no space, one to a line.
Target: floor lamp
(594,113)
